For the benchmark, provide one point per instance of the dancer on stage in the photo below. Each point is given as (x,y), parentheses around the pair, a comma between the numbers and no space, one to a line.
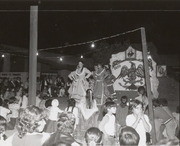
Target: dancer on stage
(79,85)
(99,88)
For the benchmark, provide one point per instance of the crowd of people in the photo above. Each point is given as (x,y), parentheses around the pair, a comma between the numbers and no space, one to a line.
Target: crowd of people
(93,117)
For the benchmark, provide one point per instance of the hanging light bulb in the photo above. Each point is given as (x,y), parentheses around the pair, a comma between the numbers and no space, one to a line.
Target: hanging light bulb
(2,55)
(92,45)
(82,57)
(60,59)
(37,54)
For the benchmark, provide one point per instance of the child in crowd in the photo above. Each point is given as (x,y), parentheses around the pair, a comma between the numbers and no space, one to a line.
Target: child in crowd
(93,137)
(101,109)
(138,120)
(108,124)
(71,108)
(54,110)
(63,135)
(30,123)
(128,136)
(24,99)
(14,106)
(142,97)
(38,99)
(171,126)
(161,118)
(122,110)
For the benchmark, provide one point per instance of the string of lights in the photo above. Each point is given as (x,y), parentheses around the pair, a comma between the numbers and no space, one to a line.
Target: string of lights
(92,45)
(92,42)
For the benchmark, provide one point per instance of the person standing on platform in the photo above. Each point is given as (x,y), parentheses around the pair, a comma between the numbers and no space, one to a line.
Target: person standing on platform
(99,87)
(109,80)
(79,85)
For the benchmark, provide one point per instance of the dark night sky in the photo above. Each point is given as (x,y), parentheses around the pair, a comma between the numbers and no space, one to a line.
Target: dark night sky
(57,28)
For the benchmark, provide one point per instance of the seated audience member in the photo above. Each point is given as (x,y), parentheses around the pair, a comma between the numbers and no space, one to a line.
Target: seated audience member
(63,135)
(93,137)
(128,136)
(30,123)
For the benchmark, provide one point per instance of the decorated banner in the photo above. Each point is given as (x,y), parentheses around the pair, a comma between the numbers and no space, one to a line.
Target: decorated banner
(128,69)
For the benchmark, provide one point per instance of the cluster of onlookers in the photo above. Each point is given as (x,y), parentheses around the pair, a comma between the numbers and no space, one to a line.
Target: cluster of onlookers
(89,119)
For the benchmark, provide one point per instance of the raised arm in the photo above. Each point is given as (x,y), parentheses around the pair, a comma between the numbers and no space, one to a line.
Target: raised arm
(87,72)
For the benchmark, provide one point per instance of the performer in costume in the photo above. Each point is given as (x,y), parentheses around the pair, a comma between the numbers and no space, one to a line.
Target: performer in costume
(79,85)
(109,80)
(99,90)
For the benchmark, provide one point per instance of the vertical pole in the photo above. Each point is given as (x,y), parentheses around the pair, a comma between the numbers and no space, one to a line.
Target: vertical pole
(148,85)
(32,54)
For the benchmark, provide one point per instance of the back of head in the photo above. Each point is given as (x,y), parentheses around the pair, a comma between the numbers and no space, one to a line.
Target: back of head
(28,120)
(129,136)
(71,102)
(48,103)
(156,102)
(93,136)
(66,122)
(163,101)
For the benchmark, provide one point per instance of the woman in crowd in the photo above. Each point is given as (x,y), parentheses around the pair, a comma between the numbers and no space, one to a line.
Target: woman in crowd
(71,108)
(30,123)
(64,134)
(88,114)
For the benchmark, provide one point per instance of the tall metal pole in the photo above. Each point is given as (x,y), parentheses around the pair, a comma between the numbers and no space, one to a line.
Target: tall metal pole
(32,54)
(148,85)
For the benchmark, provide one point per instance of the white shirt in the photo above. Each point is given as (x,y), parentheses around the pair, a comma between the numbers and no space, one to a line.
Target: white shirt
(53,113)
(109,127)
(4,112)
(130,119)
(24,102)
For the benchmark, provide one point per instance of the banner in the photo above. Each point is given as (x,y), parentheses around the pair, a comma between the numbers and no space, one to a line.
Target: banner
(128,69)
